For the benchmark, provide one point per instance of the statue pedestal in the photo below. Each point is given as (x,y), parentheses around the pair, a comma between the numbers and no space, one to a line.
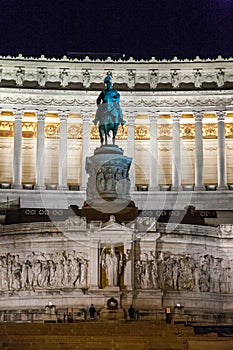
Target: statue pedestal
(108,186)
(112,315)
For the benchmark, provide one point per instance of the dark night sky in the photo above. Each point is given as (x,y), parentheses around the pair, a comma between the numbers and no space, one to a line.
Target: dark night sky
(138,28)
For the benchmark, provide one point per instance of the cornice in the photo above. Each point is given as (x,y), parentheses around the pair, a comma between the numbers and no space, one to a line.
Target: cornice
(110,59)
(127,74)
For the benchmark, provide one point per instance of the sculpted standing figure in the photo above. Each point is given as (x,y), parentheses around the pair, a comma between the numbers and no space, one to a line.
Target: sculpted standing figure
(112,262)
(109,114)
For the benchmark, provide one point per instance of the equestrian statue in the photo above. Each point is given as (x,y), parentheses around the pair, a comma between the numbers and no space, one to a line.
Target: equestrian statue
(109,114)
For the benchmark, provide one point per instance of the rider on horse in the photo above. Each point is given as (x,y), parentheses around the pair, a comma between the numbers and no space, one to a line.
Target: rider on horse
(109,114)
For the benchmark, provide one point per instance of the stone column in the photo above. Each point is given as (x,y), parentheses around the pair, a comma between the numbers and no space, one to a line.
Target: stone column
(17,160)
(40,150)
(129,266)
(222,172)
(199,169)
(131,147)
(86,117)
(154,167)
(94,268)
(62,169)
(176,164)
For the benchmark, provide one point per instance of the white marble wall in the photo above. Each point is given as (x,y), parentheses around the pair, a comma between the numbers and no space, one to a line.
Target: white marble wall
(190,265)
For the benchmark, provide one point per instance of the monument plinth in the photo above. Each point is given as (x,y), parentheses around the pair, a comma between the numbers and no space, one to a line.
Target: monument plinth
(108,185)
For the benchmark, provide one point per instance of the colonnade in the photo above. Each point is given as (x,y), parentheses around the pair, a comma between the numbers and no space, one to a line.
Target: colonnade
(176,152)
(153,154)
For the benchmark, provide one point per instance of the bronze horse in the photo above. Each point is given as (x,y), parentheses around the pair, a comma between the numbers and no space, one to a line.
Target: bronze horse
(109,114)
(109,117)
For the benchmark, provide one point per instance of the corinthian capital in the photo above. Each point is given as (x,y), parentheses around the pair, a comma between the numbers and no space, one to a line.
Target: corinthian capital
(41,114)
(18,114)
(131,116)
(175,116)
(198,116)
(63,115)
(153,116)
(221,115)
(86,115)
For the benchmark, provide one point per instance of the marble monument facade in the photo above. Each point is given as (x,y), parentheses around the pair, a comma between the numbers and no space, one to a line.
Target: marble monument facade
(179,137)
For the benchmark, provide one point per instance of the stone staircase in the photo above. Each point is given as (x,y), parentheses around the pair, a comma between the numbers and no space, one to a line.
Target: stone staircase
(108,336)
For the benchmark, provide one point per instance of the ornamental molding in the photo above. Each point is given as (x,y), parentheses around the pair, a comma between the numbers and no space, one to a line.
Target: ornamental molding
(150,74)
(165,104)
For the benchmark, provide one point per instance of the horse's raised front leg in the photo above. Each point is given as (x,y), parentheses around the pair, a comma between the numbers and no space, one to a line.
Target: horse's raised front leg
(106,138)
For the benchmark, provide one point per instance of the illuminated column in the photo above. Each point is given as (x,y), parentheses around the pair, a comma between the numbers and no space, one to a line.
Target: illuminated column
(40,150)
(86,117)
(94,271)
(154,168)
(62,170)
(17,162)
(131,146)
(199,169)
(222,178)
(129,266)
(176,169)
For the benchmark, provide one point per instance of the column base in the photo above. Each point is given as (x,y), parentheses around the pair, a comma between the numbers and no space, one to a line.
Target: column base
(17,187)
(176,188)
(222,188)
(63,188)
(199,188)
(154,188)
(40,188)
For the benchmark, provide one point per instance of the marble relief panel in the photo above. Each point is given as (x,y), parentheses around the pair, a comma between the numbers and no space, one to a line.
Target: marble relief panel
(180,272)
(43,270)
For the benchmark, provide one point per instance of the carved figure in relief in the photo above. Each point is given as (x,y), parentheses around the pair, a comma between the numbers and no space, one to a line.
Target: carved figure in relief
(109,114)
(110,181)
(16,270)
(220,78)
(86,78)
(83,272)
(3,274)
(64,77)
(119,181)
(41,77)
(161,269)
(19,76)
(197,79)
(131,79)
(153,79)
(175,79)
(24,275)
(51,272)
(100,181)
(176,274)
